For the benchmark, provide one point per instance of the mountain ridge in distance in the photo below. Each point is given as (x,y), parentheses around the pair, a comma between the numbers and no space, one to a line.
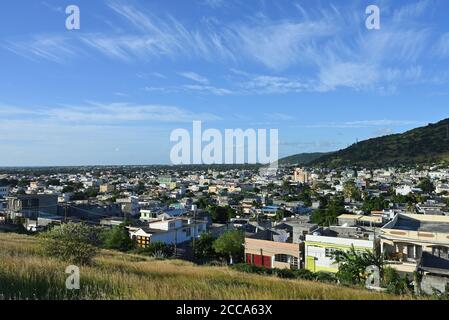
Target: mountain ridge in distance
(422,145)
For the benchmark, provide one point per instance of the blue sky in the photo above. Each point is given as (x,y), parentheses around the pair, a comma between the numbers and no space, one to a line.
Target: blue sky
(111,92)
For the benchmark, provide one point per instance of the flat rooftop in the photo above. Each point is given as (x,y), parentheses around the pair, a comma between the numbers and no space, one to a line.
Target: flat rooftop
(411,224)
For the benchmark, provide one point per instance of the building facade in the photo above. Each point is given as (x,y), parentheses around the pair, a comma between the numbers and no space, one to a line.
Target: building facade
(320,251)
(407,236)
(272,254)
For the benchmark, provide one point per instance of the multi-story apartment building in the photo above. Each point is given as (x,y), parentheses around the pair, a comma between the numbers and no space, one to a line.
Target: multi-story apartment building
(300,176)
(32,205)
(168,231)
(407,236)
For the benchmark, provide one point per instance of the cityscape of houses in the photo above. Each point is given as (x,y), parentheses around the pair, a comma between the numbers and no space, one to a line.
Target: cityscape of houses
(294,219)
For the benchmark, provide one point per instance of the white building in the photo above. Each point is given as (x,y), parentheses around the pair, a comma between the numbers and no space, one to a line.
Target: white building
(405,190)
(319,250)
(440,188)
(168,231)
(4,191)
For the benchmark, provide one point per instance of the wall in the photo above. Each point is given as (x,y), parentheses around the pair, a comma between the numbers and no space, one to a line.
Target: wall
(429,283)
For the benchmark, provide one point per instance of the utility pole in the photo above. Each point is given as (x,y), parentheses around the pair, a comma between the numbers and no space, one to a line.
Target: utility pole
(65,212)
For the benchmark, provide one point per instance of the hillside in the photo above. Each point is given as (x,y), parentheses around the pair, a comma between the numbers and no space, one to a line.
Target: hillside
(301,159)
(422,145)
(25,274)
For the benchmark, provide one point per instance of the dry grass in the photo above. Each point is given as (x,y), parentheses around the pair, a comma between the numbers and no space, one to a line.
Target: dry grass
(26,274)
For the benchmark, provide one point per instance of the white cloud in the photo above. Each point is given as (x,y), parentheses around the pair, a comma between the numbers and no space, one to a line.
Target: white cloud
(208,89)
(352,75)
(411,11)
(324,46)
(366,124)
(101,113)
(195,77)
(56,48)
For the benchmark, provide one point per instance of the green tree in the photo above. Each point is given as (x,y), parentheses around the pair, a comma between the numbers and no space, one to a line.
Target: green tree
(230,244)
(375,204)
(426,185)
(328,216)
(351,191)
(353,264)
(221,214)
(117,238)
(71,242)
(203,248)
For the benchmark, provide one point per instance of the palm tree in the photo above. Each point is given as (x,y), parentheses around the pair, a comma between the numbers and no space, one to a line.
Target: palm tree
(353,264)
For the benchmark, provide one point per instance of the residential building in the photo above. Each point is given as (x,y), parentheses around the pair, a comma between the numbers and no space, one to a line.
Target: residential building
(434,274)
(301,176)
(407,236)
(32,205)
(4,191)
(320,247)
(262,250)
(107,188)
(353,220)
(169,231)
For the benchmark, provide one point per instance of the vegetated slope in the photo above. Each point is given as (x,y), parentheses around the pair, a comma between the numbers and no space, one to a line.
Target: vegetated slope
(26,274)
(422,145)
(302,158)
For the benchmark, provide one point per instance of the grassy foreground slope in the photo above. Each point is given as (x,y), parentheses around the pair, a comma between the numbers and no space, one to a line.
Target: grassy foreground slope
(26,274)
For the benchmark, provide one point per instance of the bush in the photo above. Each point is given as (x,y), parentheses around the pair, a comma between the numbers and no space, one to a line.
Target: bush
(304,274)
(284,273)
(71,242)
(158,250)
(325,277)
(394,283)
(117,238)
(250,268)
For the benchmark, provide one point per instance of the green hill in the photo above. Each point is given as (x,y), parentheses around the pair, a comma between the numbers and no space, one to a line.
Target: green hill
(424,145)
(26,274)
(302,158)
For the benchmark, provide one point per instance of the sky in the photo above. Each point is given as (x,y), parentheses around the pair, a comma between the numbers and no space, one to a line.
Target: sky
(113,91)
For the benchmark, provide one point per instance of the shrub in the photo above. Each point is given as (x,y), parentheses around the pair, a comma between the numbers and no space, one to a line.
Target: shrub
(284,273)
(72,242)
(250,268)
(117,238)
(325,277)
(304,274)
(394,283)
(158,250)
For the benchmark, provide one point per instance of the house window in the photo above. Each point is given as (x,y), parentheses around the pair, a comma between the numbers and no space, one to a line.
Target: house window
(294,263)
(188,232)
(143,242)
(441,252)
(329,252)
(281,258)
